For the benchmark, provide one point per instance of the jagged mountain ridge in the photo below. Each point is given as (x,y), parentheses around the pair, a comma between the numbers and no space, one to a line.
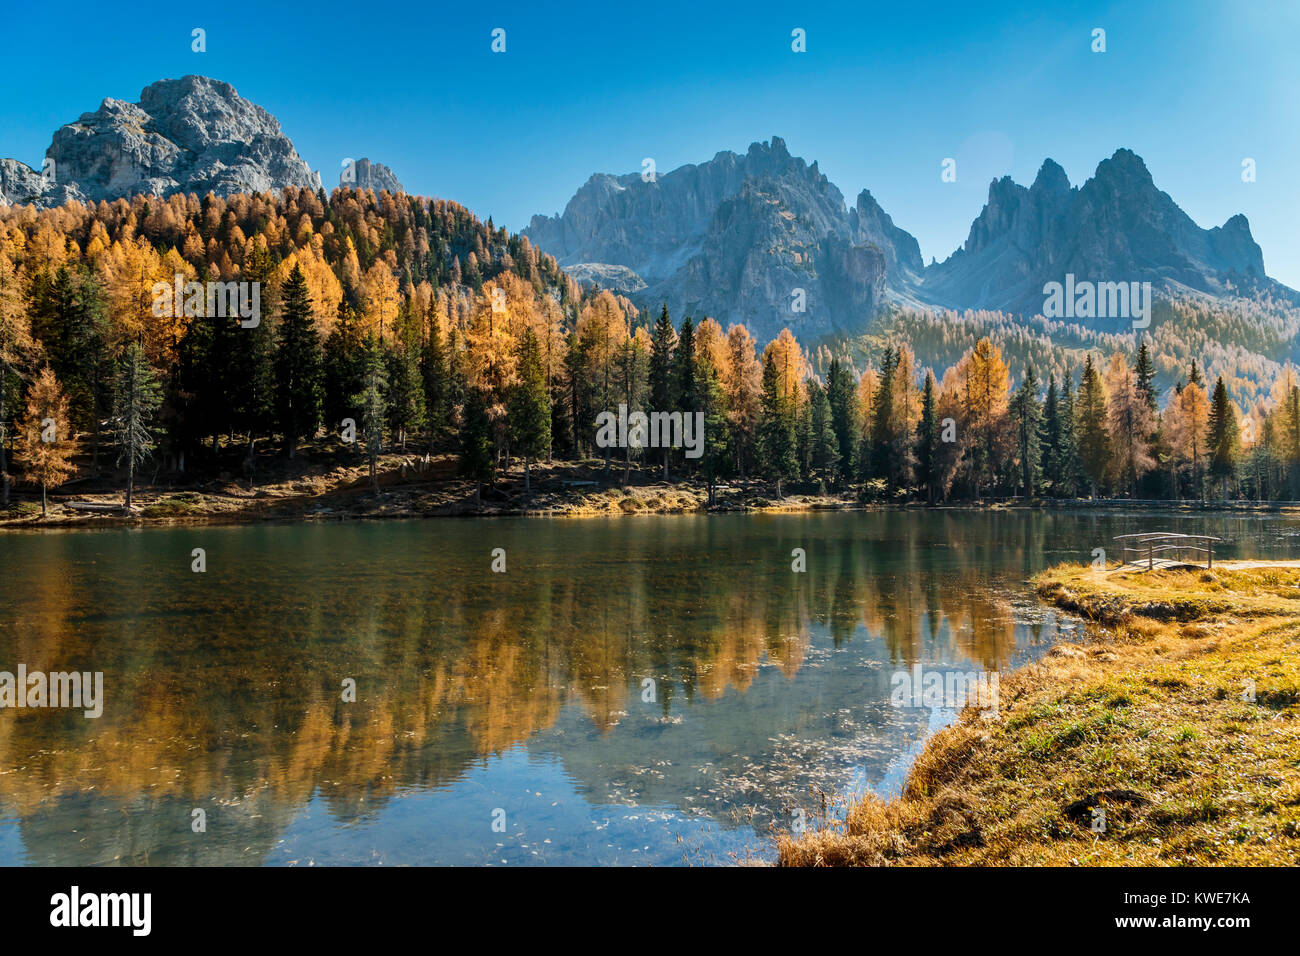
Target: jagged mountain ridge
(734,238)
(192,134)
(363,174)
(1117,226)
(686,237)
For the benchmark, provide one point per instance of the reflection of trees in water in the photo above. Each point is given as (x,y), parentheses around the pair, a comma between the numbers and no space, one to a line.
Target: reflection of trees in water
(222,695)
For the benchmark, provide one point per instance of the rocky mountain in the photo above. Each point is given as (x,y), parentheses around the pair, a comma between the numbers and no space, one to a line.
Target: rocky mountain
(762,238)
(1117,227)
(19,183)
(736,236)
(363,174)
(194,134)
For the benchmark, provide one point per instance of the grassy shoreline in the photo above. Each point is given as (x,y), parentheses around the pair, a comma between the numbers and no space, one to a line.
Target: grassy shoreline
(1143,720)
(334,486)
(411,487)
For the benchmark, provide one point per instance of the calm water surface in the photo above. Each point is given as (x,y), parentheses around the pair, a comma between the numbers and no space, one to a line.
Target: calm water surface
(654,690)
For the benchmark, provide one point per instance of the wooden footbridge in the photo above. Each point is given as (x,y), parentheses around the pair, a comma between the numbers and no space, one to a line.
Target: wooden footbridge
(1163,549)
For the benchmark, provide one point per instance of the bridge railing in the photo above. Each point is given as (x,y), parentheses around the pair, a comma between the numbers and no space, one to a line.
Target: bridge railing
(1146,546)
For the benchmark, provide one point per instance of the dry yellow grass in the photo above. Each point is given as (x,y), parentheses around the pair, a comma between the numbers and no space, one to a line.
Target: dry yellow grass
(1144,721)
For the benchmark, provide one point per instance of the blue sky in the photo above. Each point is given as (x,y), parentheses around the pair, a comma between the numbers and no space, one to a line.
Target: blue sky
(883,94)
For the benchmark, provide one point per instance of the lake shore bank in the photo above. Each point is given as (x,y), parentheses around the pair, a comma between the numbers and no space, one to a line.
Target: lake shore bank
(416,486)
(1166,736)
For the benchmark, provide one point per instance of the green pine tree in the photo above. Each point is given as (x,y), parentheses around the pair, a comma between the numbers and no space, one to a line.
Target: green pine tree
(299,387)
(530,406)
(1146,376)
(844,420)
(85,371)
(373,405)
(883,420)
(716,437)
(344,368)
(826,444)
(776,434)
(1094,440)
(1069,469)
(405,396)
(434,376)
(1050,438)
(253,362)
(663,341)
(927,439)
(1027,415)
(1224,438)
(478,448)
(136,398)
(685,372)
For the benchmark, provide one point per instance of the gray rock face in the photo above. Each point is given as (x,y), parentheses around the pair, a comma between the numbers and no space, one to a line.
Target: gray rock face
(735,237)
(869,223)
(363,174)
(602,275)
(740,238)
(19,183)
(192,135)
(1117,227)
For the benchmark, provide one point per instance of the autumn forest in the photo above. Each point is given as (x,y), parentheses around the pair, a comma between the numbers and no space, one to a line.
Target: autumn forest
(399,323)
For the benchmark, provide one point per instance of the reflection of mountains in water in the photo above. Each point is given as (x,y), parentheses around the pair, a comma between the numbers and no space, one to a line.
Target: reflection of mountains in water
(226,697)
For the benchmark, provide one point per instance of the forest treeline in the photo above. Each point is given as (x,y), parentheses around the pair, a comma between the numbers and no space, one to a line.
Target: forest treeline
(405,323)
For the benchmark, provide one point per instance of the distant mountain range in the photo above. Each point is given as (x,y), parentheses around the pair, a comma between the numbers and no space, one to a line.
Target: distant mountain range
(735,237)
(764,238)
(193,134)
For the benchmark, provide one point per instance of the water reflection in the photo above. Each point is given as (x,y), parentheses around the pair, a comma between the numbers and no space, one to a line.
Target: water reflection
(224,689)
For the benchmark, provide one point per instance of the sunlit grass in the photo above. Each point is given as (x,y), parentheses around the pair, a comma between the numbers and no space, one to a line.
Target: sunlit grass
(1177,720)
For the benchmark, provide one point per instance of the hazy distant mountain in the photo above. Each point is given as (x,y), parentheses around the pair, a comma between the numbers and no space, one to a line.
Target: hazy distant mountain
(193,135)
(363,174)
(1117,227)
(761,237)
(734,237)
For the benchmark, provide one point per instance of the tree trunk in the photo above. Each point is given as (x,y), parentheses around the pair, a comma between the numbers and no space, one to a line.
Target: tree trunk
(44,509)
(528,475)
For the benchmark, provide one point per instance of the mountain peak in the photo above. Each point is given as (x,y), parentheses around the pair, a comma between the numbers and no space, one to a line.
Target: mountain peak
(1051,178)
(870,223)
(732,237)
(1118,227)
(192,134)
(363,174)
(189,83)
(1125,167)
